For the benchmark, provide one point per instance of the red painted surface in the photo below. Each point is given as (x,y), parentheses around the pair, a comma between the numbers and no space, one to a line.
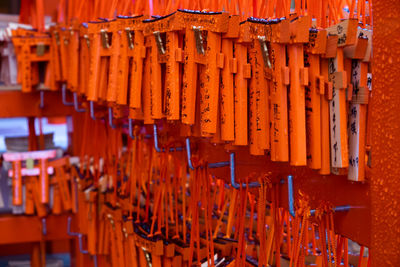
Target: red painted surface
(335,189)
(18,104)
(22,229)
(385,135)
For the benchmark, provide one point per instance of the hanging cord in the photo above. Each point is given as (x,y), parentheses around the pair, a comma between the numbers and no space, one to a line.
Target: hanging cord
(265,186)
(301,223)
(241,252)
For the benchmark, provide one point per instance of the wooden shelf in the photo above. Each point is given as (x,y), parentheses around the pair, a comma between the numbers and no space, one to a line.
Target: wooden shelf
(14,103)
(22,229)
(17,87)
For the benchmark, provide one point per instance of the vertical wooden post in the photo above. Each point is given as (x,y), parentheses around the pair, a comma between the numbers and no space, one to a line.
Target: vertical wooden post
(35,256)
(32,134)
(385,135)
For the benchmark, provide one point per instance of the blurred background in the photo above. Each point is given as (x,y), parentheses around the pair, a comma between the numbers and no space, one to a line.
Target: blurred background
(10,6)
(14,134)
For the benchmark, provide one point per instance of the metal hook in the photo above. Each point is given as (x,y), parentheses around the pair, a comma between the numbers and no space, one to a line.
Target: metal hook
(156,146)
(79,235)
(210,165)
(230,163)
(91,105)
(80,242)
(312,212)
(233,175)
(290,194)
(69,228)
(76,104)
(130,129)
(189,153)
(44,226)
(64,96)
(41,105)
(83,251)
(110,118)
(95,260)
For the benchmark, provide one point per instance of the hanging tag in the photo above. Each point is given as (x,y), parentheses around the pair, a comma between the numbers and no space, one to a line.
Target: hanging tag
(17,184)
(29,201)
(44,182)
(114,88)
(73,64)
(137,75)
(209,85)
(173,74)
(315,48)
(241,96)
(40,208)
(358,121)
(338,120)
(299,31)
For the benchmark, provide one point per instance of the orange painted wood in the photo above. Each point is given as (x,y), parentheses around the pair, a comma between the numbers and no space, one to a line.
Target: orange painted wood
(241,97)
(313,113)
(209,88)
(227,93)
(139,52)
(172,76)
(279,116)
(189,79)
(325,144)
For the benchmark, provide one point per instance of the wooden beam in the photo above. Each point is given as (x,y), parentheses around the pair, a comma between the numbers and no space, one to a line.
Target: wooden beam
(14,103)
(22,229)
